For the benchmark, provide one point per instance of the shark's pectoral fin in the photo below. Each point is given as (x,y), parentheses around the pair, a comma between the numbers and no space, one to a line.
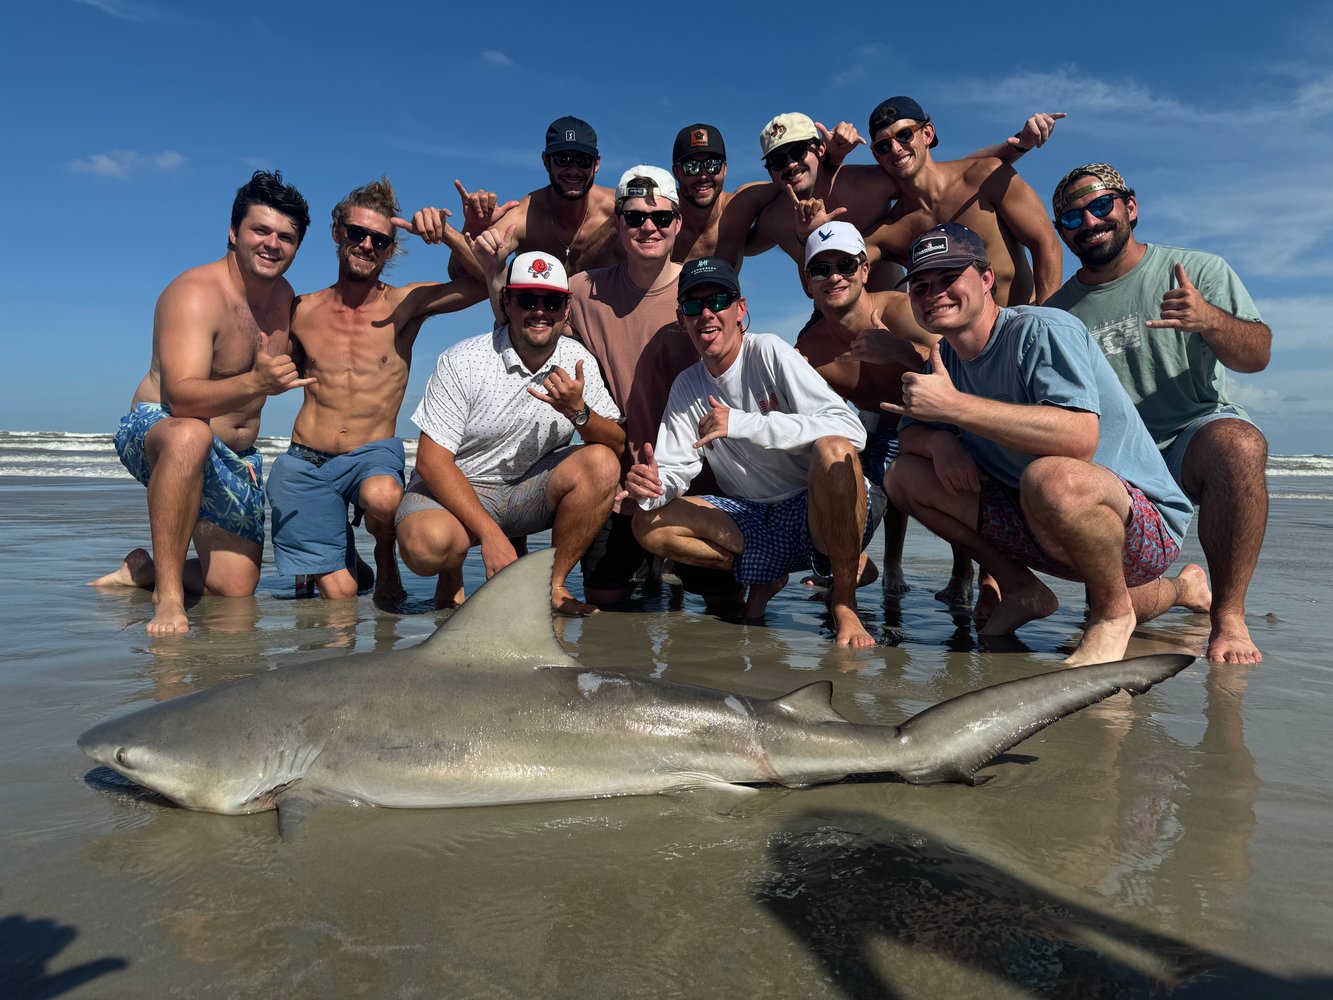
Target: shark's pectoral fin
(294,807)
(812,703)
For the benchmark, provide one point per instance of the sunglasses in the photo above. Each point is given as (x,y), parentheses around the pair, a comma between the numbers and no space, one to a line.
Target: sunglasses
(903,137)
(552,302)
(710,166)
(1100,208)
(716,303)
(823,270)
(793,152)
(356,235)
(635,218)
(581,160)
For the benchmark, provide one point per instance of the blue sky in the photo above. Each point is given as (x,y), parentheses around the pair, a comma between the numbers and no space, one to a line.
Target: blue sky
(130,123)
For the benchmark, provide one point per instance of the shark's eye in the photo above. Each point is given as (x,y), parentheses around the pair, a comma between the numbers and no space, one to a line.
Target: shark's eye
(121,756)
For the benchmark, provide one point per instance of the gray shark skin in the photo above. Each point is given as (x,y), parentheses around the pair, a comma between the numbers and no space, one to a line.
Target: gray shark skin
(490,709)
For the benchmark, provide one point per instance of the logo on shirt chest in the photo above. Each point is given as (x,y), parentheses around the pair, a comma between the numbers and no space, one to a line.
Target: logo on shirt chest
(770,404)
(1119,336)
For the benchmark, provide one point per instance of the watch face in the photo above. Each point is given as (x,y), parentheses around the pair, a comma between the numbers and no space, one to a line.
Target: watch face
(580,417)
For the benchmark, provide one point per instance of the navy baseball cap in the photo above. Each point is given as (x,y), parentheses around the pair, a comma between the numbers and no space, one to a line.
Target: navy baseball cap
(707,271)
(895,109)
(569,134)
(945,246)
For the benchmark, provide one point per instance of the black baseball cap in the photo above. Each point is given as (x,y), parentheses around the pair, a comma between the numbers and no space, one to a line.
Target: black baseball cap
(707,271)
(698,138)
(571,134)
(894,109)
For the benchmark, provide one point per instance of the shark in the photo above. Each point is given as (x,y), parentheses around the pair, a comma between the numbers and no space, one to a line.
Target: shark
(491,709)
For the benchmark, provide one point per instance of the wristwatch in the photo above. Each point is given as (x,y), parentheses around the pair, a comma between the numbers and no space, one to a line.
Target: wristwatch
(580,417)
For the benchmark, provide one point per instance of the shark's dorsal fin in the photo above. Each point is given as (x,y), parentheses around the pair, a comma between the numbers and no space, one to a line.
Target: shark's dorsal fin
(812,703)
(508,620)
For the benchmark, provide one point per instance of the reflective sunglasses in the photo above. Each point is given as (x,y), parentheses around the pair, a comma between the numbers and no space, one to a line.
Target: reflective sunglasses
(792,152)
(1100,207)
(716,303)
(710,166)
(635,218)
(552,302)
(356,235)
(903,137)
(581,160)
(847,266)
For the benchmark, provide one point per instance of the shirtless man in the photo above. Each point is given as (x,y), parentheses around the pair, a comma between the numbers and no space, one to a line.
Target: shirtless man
(220,349)
(803,155)
(713,222)
(570,218)
(847,315)
(355,339)
(983,193)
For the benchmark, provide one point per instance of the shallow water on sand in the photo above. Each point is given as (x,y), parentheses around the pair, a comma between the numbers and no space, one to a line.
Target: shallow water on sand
(1178,841)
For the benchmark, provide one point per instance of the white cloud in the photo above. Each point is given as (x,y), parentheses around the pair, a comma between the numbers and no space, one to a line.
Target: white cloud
(496,58)
(124,9)
(123,163)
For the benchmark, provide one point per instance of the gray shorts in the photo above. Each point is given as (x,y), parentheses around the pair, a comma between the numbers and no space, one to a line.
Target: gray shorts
(1175,454)
(519,508)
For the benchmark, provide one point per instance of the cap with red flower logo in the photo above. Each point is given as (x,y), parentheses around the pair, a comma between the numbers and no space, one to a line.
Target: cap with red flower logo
(535,269)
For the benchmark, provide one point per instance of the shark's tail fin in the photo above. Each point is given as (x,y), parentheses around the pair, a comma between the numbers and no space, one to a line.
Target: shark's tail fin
(956,737)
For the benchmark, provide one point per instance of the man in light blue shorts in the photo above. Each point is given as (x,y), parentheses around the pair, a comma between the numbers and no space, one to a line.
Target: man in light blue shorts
(220,349)
(1170,322)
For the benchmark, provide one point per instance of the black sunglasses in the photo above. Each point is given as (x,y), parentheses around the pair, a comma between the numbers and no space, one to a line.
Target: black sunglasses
(581,160)
(356,235)
(792,152)
(710,166)
(1100,208)
(823,270)
(903,137)
(635,218)
(552,302)
(716,302)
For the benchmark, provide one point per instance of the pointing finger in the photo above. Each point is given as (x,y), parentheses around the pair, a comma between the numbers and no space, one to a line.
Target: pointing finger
(461,190)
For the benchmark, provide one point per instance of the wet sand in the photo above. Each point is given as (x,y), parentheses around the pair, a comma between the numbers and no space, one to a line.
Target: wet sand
(1179,841)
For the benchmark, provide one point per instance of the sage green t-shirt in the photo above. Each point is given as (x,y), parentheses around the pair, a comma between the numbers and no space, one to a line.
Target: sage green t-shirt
(1172,376)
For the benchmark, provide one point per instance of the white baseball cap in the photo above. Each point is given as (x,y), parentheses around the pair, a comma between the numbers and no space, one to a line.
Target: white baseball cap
(790,127)
(663,184)
(539,270)
(834,236)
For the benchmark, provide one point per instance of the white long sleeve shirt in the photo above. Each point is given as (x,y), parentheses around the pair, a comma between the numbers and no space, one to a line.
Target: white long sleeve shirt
(779,407)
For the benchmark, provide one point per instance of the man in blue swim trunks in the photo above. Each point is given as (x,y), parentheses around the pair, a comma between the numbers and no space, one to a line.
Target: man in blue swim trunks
(1020,446)
(783,446)
(220,349)
(355,340)
(1171,322)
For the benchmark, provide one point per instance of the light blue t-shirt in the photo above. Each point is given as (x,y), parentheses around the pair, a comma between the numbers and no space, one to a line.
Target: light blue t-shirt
(1039,356)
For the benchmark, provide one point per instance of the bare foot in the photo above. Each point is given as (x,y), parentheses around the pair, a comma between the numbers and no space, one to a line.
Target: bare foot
(135,571)
(566,605)
(760,594)
(388,584)
(894,581)
(850,630)
(1230,642)
(1192,589)
(1104,641)
(867,573)
(1017,607)
(988,599)
(449,589)
(169,620)
(957,592)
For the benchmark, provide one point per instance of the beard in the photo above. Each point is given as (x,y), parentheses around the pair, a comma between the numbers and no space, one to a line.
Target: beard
(1104,253)
(357,269)
(575,195)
